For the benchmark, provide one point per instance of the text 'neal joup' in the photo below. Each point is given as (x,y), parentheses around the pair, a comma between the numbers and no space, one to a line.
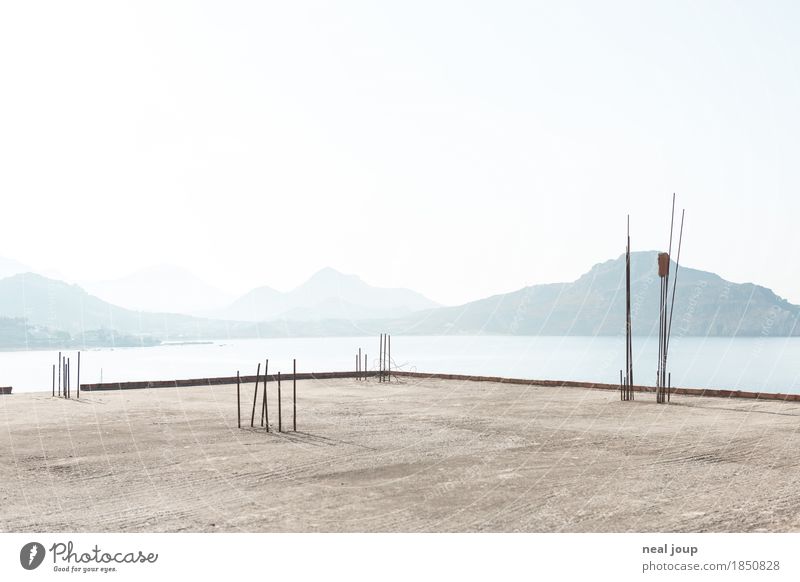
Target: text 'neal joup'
(670,550)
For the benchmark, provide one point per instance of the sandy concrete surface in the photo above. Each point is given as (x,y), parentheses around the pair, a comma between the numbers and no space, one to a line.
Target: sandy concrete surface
(417,455)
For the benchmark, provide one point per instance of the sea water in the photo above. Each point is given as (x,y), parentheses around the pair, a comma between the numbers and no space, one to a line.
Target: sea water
(753,364)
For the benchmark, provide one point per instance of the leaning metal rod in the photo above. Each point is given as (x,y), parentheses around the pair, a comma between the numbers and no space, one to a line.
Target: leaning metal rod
(280,422)
(238,402)
(668,331)
(675,282)
(255,396)
(671,225)
(666,295)
(264,409)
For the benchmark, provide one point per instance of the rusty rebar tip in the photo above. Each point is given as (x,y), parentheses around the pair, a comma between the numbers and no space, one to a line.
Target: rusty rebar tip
(663,264)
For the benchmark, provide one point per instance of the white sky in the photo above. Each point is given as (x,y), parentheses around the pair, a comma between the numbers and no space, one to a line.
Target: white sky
(457,148)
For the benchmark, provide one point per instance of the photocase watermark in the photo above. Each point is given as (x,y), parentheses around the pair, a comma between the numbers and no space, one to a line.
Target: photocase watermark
(691,307)
(67,559)
(31,555)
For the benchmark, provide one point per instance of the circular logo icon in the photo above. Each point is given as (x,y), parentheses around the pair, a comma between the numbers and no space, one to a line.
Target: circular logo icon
(31,555)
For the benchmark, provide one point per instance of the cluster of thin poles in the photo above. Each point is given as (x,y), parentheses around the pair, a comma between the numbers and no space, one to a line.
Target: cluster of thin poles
(666,307)
(64,385)
(626,380)
(385,358)
(264,399)
(361,367)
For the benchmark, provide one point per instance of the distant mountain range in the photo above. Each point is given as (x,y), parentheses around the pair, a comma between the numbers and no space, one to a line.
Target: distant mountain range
(60,306)
(37,311)
(328,294)
(705,305)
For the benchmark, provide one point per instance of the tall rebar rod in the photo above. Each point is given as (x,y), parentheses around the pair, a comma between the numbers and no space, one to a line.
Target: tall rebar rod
(294,395)
(238,402)
(628,325)
(660,336)
(380,360)
(59,374)
(54,380)
(626,377)
(389,360)
(78,379)
(280,418)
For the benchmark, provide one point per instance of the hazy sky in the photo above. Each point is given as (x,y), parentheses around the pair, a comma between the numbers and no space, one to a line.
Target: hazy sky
(457,148)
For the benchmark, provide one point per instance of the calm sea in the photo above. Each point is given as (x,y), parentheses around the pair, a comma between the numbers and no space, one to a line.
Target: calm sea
(758,364)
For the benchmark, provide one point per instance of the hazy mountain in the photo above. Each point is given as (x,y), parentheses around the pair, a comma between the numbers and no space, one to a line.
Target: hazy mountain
(60,306)
(328,294)
(9,267)
(38,312)
(163,288)
(705,304)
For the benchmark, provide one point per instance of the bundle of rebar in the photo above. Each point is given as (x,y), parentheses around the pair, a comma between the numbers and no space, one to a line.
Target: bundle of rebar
(626,380)
(385,358)
(666,308)
(265,400)
(64,384)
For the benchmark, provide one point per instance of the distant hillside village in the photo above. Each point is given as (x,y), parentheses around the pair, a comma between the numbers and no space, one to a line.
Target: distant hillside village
(16,333)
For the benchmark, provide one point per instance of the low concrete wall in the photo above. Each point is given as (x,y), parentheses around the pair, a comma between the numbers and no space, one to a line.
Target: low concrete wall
(600,386)
(217,381)
(718,393)
(5,389)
